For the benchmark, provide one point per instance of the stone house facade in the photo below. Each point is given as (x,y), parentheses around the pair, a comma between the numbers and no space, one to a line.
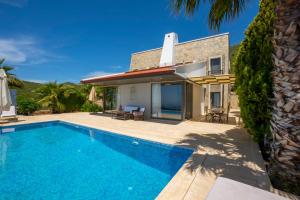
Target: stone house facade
(194,51)
(177,81)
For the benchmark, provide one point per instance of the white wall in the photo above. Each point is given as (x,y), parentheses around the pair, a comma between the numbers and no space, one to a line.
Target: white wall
(192,70)
(135,94)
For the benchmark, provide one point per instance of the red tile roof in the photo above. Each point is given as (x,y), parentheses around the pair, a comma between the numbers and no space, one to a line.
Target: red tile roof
(132,74)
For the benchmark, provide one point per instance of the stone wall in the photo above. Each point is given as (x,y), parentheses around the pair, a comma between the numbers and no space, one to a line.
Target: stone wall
(199,50)
(146,59)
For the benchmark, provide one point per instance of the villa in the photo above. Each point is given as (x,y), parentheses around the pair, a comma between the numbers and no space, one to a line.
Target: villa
(181,80)
(89,156)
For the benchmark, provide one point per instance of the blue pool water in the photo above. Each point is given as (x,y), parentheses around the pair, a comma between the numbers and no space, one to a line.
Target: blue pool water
(58,160)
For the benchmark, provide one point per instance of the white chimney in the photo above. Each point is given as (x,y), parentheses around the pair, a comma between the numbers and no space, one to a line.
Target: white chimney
(168,52)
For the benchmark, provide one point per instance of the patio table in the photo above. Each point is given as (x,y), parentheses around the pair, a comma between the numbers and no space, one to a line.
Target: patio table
(215,115)
(117,114)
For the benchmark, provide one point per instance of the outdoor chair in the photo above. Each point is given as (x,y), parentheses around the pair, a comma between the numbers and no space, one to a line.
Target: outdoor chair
(139,115)
(9,115)
(215,115)
(125,113)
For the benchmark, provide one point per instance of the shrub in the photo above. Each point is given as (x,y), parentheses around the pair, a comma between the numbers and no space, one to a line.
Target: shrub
(73,102)
(26,106)
(252,67)
(90,107)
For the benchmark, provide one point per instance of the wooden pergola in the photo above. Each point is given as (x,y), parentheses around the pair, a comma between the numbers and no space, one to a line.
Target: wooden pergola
(214,79)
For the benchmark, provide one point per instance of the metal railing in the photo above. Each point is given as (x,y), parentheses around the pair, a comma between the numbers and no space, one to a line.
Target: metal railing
(214,72)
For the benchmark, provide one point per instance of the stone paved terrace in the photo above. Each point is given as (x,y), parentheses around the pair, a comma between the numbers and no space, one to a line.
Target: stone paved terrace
(220,150)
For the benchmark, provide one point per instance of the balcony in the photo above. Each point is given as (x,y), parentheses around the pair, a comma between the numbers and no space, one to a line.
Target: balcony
(215,72)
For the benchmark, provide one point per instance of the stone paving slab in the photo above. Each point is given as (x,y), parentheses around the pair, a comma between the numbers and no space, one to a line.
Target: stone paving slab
(227,189)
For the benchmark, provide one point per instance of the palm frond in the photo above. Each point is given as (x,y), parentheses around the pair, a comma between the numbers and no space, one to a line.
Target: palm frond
(7,68)
(224,10)
(14,82)
(220,9)
(60,107)
(187,6)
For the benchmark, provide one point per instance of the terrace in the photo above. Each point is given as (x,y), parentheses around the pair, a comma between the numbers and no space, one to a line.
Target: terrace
(220,150)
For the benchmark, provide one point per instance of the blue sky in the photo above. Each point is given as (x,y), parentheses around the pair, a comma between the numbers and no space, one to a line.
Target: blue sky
(67,40)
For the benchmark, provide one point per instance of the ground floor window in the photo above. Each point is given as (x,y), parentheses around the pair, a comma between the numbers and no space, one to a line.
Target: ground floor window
(167,100)
(215,98)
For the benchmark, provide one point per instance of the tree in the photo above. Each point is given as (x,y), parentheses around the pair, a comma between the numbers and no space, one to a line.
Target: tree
(54,96)
(253,67)
(285,123)
(13,81)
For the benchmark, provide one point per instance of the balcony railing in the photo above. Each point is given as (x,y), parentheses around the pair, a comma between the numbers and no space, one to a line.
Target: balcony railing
(215,72)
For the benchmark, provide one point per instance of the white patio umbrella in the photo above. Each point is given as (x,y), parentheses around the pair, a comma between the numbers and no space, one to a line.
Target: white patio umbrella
(5,99)
(92,96)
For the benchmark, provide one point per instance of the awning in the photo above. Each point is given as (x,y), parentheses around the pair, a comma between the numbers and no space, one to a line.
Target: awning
(170,73)
(214,79)
(132,74)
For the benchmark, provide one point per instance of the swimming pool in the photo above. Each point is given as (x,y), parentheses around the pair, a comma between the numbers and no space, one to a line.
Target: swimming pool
(59,160)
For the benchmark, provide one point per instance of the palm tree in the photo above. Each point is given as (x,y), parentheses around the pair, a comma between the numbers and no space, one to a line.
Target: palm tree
(285,123)
(52,95)
(13,81)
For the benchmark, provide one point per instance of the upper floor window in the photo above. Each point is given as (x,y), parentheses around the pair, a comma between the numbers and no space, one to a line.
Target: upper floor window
(215,66)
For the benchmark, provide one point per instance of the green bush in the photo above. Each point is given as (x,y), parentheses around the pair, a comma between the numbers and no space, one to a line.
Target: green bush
(253,66)
(73,102)
(90,107)
(26,106)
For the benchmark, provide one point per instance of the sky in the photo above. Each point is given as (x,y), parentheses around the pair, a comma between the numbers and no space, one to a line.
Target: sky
(66,41)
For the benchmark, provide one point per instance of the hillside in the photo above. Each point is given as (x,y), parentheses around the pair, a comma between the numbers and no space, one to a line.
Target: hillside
(28,89)
(232,54)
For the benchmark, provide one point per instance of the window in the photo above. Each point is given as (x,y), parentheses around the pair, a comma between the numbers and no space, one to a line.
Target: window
(215,98)
(167,100)
(215,66)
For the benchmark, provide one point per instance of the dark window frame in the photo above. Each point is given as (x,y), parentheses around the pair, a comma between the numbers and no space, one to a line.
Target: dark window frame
(213,71)
(212,100)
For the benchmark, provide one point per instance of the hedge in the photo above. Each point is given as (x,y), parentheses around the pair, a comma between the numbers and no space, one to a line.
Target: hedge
(252,67)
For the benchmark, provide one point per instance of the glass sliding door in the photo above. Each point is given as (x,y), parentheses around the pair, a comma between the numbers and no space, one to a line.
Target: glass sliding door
(167,100)
(156,100)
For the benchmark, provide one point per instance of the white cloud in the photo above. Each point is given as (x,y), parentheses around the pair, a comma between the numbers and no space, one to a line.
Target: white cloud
(36,80)
(25,51)
(97,73)
(15,3)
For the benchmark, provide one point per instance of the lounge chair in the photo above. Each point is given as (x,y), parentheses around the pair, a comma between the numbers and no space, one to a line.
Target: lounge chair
(139,115)
(125,113)
(9,115)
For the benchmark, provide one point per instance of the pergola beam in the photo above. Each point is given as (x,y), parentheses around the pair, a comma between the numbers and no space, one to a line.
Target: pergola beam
(214,79)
